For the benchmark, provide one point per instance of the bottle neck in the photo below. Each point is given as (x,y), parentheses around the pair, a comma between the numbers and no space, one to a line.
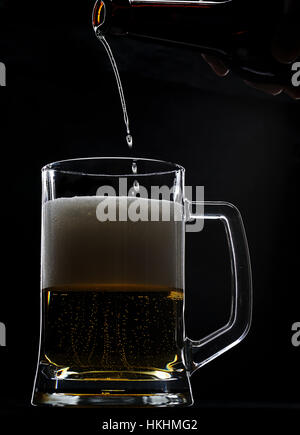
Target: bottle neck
(239,34)
(144,17)
(186,3)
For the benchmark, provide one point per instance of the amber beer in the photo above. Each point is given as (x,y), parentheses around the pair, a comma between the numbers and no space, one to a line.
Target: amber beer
(112,292)
(114,332)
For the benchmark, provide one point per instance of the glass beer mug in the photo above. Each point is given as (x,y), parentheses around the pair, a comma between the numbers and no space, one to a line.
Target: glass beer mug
(112,285)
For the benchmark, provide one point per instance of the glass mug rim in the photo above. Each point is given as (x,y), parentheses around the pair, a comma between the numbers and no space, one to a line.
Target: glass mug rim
(160,167)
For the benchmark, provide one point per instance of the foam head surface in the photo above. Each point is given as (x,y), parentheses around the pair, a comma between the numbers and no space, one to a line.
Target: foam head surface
(81,248)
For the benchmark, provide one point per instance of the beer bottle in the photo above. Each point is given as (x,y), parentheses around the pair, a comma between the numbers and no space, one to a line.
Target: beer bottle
(238,32)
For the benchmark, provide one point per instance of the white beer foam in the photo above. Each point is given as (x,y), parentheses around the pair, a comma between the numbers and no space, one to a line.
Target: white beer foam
(80,250)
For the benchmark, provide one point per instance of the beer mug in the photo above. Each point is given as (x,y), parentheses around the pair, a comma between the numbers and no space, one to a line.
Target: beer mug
(112,284)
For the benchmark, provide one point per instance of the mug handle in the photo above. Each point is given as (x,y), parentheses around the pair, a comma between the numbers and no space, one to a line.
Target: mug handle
(200,352)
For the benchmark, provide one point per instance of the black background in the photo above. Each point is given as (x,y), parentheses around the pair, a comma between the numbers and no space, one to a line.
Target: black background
(61,102)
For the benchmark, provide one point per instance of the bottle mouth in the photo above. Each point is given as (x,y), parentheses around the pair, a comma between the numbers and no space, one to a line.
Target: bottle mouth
(99,15)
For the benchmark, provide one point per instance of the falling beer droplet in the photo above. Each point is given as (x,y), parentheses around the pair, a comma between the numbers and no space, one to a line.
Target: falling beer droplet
(134,167)
(129,140)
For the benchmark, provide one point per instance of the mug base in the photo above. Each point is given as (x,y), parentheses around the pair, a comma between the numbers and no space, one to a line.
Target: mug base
(111,400)
(82,391)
